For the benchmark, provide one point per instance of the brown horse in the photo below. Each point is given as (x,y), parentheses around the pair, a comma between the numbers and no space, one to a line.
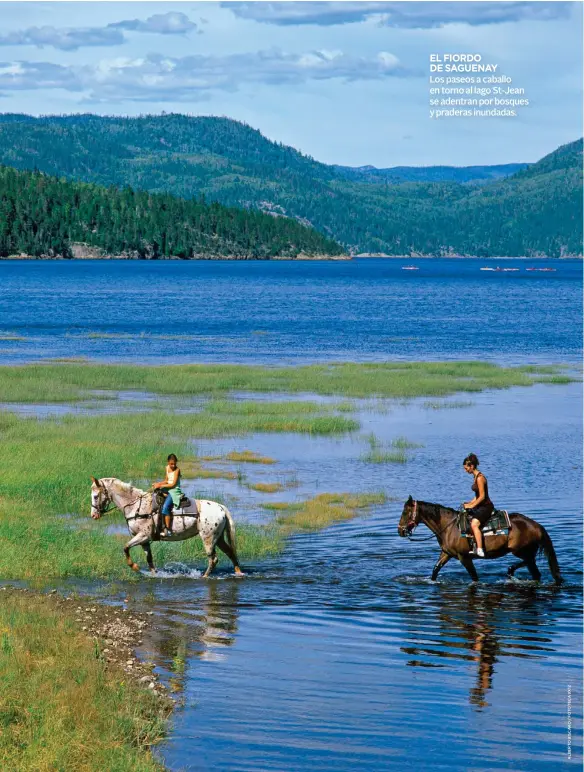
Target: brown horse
(526,538)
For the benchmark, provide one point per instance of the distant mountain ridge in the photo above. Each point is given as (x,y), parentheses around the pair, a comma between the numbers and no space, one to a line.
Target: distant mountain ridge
(536,210)
(430,173)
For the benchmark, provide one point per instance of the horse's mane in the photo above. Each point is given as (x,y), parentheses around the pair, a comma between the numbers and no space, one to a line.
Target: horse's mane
(441,506)
(125,487)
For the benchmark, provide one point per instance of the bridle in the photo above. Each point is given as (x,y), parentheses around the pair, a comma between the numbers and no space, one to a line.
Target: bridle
(107,505)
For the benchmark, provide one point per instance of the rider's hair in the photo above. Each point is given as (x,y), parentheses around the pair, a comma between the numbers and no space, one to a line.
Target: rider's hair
(471,460)
(172,457)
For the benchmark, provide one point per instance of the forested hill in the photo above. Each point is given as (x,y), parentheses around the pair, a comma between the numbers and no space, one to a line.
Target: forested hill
(536,211)
(42,216)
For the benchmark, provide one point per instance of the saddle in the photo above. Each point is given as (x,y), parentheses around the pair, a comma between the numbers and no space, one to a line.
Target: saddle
(498,524)
(186,506)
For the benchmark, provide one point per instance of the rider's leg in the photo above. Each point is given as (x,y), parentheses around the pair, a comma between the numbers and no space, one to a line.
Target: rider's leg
(167,512)
(477,533)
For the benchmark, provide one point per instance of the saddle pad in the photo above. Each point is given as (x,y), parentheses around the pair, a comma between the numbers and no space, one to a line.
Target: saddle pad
(496,525)
(192,510)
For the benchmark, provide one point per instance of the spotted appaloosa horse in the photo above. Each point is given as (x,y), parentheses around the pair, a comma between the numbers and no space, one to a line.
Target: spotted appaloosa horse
(212,524)
(526,538)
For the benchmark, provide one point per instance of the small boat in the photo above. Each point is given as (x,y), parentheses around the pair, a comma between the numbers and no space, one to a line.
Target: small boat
(509,269)
(488,269)
(410,268)
(545,269)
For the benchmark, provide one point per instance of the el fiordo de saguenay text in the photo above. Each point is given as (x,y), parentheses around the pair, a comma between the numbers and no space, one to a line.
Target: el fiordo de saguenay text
(465,86)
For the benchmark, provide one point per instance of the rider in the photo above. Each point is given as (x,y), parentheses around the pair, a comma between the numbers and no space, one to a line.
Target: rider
(171,486)
(481,507)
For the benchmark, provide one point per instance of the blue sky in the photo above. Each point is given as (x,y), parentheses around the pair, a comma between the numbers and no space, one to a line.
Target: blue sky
(346,82)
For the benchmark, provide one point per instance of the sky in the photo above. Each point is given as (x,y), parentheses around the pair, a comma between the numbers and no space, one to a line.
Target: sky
(345,82)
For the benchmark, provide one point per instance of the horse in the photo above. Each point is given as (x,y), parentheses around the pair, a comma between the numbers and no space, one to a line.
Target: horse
(212,524)
(526,538)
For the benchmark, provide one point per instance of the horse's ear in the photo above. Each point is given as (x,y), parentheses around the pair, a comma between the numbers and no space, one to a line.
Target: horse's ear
(94,481)
(410,498)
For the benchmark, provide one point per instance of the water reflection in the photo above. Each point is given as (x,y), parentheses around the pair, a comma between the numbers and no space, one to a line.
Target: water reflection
(199,629)
(483,625)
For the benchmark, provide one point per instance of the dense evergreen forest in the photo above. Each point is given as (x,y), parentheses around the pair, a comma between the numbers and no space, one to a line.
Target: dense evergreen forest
(537,210)
(45,216)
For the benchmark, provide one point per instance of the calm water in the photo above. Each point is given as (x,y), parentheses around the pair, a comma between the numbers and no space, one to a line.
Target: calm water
(278,312)
(341,654)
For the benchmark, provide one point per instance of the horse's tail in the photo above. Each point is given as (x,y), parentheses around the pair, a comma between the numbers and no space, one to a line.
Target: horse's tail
(230,528)
(547,547)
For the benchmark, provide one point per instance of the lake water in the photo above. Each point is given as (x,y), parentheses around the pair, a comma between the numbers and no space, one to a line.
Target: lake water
(291,312)
(341,653)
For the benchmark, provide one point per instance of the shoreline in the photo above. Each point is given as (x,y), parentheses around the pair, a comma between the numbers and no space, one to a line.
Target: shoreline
(298,258)
(104,636)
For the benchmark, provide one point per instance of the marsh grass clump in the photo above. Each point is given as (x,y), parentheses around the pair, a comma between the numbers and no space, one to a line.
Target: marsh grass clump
(71,381)
(394,453)
(61,707)
(266,487)
(447,404)
(327,508)
(249,457)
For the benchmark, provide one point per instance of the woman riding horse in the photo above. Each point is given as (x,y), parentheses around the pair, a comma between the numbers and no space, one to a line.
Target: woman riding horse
(481,507)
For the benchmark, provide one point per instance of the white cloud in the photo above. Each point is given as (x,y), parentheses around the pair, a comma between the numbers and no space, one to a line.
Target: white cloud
(71,39)
(413,15)
(162,78)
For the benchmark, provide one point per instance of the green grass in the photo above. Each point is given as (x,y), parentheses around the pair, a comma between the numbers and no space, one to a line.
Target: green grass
(61,708)
(71,381)
(447,405)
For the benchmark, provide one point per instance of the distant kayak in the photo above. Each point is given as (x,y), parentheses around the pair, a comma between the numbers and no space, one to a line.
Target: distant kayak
(410,268)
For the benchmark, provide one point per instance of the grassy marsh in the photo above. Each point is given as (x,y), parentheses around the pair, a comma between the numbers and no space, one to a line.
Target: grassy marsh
(46,466)
(60,706)
(73,381)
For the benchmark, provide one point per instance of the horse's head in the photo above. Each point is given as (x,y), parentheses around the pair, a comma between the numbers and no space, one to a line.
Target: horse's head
(99,498)
(409,518)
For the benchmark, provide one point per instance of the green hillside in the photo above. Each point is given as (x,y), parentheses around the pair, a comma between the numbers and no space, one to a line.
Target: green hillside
(536,211)
(43,216)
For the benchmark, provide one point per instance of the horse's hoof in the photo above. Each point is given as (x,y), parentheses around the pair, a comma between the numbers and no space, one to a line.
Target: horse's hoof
(135,567)
(238,571)
(153,571)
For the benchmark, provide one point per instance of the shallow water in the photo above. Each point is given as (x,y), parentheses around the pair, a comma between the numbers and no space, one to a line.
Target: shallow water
(263,312)
(343,653)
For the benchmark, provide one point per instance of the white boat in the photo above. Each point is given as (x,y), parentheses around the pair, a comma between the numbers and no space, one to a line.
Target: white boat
(410,268)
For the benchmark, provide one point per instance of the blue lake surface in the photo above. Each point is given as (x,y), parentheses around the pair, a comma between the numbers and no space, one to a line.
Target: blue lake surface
(341,654)
(290,312)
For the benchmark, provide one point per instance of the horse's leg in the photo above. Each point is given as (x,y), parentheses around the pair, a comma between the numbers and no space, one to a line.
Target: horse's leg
(222,544)
(139,538)
(148,551)
(442,561)
(511,570)
(469,565)
(213,560)
(533,569)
